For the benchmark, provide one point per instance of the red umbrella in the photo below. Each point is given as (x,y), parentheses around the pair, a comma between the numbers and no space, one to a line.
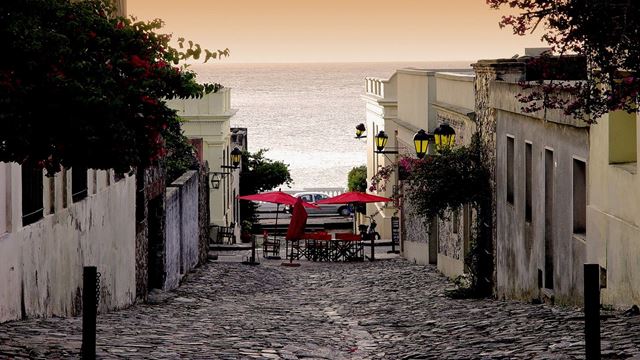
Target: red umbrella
(295,232)
(275,197)
(298,221)
(353,197)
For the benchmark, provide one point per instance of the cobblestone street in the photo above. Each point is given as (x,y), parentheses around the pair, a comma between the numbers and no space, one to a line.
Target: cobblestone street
(388,309)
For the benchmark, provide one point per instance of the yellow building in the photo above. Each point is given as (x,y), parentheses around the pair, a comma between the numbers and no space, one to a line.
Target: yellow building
(613,211)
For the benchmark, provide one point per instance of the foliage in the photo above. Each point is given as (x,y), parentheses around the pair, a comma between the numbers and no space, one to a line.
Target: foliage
(381,178)
(357,179)
(180,153)
(259,174)
(81,87)
(449,180)
(604,32)
(445,182)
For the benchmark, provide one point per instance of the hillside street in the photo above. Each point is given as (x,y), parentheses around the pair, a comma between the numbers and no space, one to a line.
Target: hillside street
(387,309)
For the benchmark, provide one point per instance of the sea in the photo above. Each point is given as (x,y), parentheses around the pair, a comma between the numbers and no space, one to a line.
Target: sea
(305,114)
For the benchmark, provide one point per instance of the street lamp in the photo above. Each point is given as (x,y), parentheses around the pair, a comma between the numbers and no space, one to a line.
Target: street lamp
(216,178)
(380,142)
(360,129)
(236,157)
(421,143)
(444,136)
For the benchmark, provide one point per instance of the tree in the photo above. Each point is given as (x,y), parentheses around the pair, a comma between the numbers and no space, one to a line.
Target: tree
(604,32)
(259,174)
(81,87)
(357,179)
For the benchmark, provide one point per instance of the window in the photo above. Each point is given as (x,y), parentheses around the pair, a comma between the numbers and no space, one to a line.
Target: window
(579,197)
(549,246)
(455,220)
(510,170)
(622,137)
(78,183)
(32,209)
(4,204)
(52,194)
(528,166)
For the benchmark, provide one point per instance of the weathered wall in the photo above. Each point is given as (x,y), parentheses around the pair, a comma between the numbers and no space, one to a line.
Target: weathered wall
(150,187)
(486,72)
(416,238)
(203,213)
(41,264)
(182,229)
(613,217)
(520,248)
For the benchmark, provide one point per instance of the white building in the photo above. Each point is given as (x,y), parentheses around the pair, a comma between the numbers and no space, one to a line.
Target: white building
(410,100)
(208,119)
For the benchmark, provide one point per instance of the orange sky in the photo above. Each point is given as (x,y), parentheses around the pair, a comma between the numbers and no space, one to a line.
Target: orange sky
(339,30)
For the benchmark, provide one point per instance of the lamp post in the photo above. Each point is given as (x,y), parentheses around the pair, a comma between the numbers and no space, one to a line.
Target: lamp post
(421,143)
(443,136)
(360,129)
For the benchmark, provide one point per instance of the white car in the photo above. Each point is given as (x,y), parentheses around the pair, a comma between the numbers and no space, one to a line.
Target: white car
(329,209)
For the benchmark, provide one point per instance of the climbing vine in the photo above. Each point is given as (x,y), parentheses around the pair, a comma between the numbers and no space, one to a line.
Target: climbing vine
(445,182)
(603,33)
(79,86)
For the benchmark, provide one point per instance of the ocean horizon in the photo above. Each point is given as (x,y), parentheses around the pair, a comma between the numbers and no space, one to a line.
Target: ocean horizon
(305,113)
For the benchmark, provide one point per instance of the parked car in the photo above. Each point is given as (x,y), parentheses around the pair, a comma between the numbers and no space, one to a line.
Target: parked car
(328,209)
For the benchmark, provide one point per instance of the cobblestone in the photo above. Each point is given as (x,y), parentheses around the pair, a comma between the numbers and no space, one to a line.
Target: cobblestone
(388,309)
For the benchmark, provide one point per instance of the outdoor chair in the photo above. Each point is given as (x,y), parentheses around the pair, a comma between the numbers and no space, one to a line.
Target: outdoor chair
(228,233)
(348,247)
(270,245)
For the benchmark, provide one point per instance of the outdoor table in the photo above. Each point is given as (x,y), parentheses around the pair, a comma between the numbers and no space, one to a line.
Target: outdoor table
(318,246)
(348,247)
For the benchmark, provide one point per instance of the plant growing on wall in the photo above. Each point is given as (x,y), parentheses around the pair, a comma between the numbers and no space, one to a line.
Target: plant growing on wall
(81,87)
(603,32)
(444,182)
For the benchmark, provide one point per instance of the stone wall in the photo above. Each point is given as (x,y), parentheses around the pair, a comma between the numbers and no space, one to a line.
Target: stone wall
(415,235)
(486,72)
(149,186)
(203,212)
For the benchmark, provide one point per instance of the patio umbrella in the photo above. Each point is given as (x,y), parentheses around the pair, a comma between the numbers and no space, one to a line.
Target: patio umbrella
(295,232)
(275,197)
(355,197)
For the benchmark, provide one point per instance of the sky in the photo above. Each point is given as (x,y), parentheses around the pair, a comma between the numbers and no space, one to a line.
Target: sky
(266,31)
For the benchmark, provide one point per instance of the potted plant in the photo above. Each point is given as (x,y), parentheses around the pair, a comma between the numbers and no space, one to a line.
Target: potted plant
(245,233)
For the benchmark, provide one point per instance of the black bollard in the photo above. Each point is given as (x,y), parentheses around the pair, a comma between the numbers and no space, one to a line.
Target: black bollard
(592,311)
(89,309)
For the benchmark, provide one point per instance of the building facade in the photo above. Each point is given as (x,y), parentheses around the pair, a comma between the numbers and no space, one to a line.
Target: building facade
(208,119)
(410,100)
(541,200)
(613,211)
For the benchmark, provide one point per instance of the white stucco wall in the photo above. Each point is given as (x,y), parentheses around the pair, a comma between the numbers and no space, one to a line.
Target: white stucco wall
(41,264)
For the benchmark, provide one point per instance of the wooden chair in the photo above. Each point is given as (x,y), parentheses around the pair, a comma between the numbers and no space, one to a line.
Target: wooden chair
(270,246)
(228,233)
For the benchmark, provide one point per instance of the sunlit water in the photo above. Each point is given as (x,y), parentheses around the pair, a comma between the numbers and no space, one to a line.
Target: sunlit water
(304,114)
